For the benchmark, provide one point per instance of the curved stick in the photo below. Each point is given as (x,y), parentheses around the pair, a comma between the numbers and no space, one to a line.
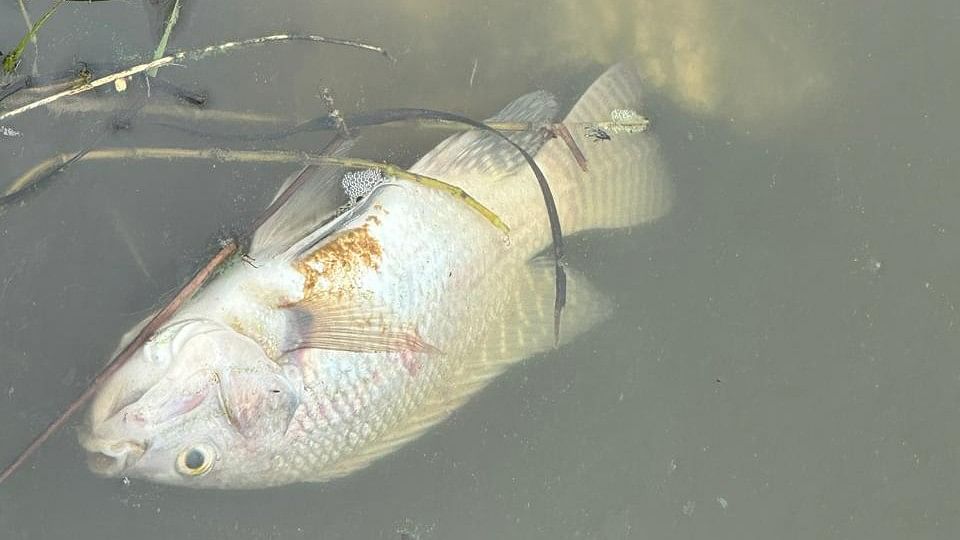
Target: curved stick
(184,294)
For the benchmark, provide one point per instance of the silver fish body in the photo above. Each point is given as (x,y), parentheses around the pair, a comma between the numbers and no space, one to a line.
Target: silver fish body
(341,343)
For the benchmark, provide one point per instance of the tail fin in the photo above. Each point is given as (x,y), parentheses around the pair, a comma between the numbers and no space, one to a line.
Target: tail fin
(627,183)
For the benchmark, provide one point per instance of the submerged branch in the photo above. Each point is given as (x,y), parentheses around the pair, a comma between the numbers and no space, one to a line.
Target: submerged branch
(194,54)
(54,164)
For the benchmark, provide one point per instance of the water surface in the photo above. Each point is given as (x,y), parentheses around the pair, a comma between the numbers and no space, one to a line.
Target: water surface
(782,360)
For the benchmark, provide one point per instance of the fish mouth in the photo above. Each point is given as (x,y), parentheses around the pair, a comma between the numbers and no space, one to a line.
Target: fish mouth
(107,458)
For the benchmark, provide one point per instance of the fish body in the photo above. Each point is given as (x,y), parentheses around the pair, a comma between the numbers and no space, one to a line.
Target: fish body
(344,340)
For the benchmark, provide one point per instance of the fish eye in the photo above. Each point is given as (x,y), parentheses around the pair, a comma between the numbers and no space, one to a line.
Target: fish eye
(195,460)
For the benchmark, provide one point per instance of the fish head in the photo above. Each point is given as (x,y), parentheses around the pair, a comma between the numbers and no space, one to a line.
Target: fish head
(198,405)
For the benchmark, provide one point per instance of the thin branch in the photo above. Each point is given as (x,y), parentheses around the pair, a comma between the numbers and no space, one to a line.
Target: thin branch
(560,130)
(281,127)
(52,165)
(27,89)
(158,320)
(195,54)
(172,111)
(622,121)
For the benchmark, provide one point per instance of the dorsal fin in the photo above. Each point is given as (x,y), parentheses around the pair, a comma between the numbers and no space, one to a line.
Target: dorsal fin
(484,154)
(315,203)
(525,329)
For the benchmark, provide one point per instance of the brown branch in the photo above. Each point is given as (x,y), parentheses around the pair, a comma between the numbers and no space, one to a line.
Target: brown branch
(184,294)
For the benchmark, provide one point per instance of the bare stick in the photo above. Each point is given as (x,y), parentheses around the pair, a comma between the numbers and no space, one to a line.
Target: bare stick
(51,165)
(564,134)
(195,54)
(282,126)
(153,112)
(184,294)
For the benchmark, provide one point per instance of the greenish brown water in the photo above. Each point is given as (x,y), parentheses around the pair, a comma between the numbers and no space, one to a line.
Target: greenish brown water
(782,361)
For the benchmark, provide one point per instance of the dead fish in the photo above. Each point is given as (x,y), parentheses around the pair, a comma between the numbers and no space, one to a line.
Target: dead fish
(352,335)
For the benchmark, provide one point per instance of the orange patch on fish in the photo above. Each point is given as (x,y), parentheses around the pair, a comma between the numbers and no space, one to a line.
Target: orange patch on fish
(338,265)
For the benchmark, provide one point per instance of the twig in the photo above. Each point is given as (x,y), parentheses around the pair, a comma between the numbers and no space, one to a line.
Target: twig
(386,117)
(54,164)
(283,127)
(473,72)
(27,89)
(564,134)
(173,112)
(195,54)
(184,294)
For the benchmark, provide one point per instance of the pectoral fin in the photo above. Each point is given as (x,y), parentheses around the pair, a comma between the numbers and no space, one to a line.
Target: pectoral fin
(324,322)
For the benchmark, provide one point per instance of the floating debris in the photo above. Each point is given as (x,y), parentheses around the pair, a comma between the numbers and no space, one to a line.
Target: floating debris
(624,121)
(627,116)
(9,132)
(597,134)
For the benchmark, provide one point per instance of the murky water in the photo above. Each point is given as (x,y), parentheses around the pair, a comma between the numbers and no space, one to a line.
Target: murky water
(782,361)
